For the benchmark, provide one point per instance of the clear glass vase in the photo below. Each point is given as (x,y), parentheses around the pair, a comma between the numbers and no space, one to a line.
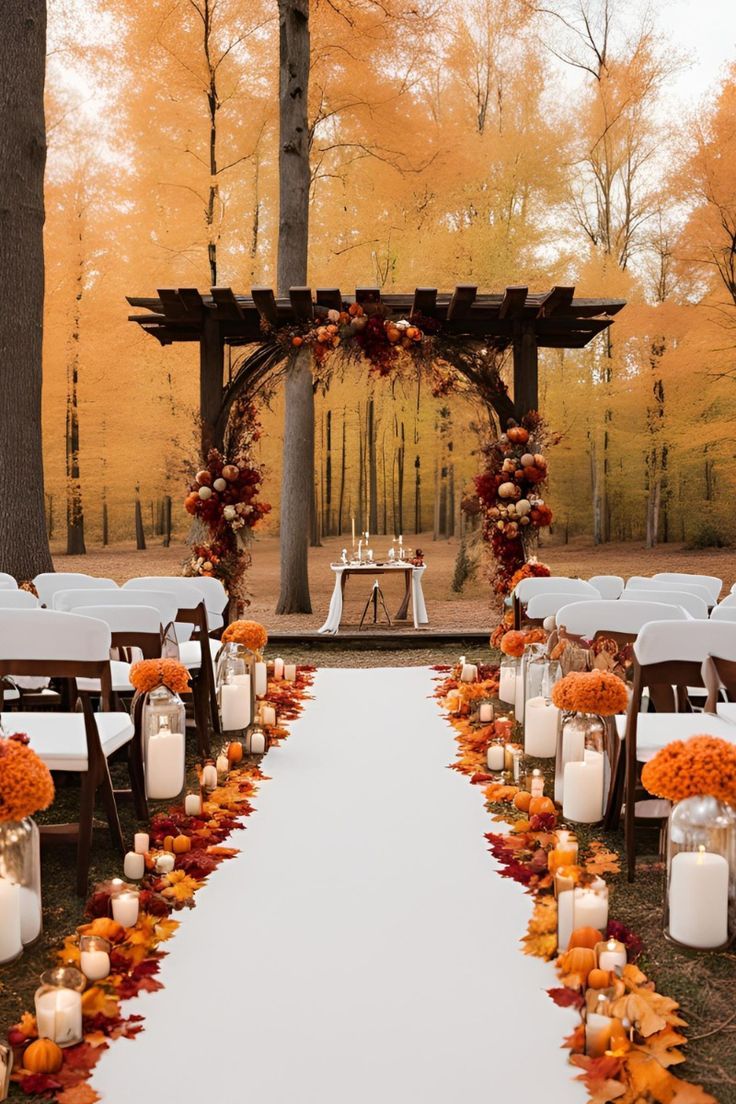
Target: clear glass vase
(58,1003)
(582,768)
(236,687)
(700,897)
(508,676)
(20,891)
(163,726)
(540,717)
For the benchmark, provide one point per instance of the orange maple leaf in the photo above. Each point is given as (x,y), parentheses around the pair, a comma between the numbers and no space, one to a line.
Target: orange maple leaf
(81,1093)
(181,886)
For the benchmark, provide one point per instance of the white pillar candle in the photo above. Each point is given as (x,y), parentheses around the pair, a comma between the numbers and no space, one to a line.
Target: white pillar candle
(256,742)
(469,672)
(278,668)
(165,765)
(11,943)
(125,908)
(519,697)
(564,918)
(698,899)
(290,672)
(261,677)
(485,713)
(541,720)
(235,704)
(268,715)
(516,764)
(572,751)
(598,1028)
(30,915)
(193,804)
(209,776)
(222,764)
(611,955)
(141,843)
(590,906)
(134,866)
(495,757)
(165,862)
(59,1016)
(582,800)
(507,685)
(537,784)
(94,957)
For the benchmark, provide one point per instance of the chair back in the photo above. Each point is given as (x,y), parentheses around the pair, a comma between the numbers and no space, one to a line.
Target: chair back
(642,582)
(189,592)
(49,582)
(130,626)
(541,606)
(711,583)
(693,605)
(672,653)
(17,599)
(55,645)
(723,612)
(621,620)
(555,584)
(8,581)
(608,586)
(729,600)
(162,600)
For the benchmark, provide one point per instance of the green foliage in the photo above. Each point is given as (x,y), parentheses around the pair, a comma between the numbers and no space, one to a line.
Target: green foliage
(709,536)
(464,568)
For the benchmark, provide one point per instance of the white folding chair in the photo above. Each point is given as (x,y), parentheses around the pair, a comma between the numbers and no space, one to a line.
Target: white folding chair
(729,600)
(609,586)
(711,583)
(527,589)
(616,619)
(696,607)
(162,600)
(723,612)
(542,606)
(18,599)
(211,591)
(642,582)
(8,581)
(69,646)
(49,582)
(131,627)
(668,657)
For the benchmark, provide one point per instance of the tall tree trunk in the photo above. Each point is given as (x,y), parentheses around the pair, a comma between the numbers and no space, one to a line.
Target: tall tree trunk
(341,500)
(327,525)
(213,106)
(24,545)
(385,486)
(75,545)
(417,494)
(167,521)
(295,500)
(298,463)
(140,534)
(372,469)
(400,478)
(105,519)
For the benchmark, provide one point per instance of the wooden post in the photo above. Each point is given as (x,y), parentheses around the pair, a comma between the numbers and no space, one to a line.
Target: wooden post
(526,369)
(211,367)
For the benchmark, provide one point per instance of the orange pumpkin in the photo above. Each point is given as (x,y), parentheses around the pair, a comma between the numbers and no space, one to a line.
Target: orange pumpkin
(106,927)
(297,341)
(599,979)
(182,844)
(522,801)
(43,1056)
(235,751)
(518,435)
(578,961)
(540,805)
(585,937)
(168,843)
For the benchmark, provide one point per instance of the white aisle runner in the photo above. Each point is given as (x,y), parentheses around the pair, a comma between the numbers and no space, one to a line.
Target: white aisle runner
(361,949)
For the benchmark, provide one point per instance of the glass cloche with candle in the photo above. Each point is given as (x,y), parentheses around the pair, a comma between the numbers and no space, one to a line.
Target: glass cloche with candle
(235,681)
(540,716)
(700,897)
(163,724)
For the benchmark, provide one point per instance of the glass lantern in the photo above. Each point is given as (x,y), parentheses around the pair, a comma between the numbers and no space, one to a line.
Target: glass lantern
(700,899)
(541,718)
(20,884)
(164,747)
(236,687)
(582,768)
(508,676)
(59,1006)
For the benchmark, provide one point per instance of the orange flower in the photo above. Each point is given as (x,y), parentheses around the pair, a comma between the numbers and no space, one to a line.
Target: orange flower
(149,673)
(531,570)
(514,642)
(26,785)
(591,692)
(250,634)
(685,768)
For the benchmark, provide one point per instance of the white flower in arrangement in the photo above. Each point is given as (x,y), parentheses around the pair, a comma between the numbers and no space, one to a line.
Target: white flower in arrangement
(403,324)
(333,316)
(229,513)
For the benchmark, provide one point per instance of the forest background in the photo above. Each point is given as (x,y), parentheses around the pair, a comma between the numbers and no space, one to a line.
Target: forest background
(493,142)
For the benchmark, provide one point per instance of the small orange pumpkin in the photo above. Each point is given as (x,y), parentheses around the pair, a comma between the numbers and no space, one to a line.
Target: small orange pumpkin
(43,1056)
(235,751)
(518,435)
(182,844)
(585,937)
(522,801)
(599,979)
(578,961)
(106,927)
(540,805)
(168,843)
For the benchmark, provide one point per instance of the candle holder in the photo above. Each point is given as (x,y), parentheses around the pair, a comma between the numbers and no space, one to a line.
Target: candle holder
(534,783)
(508,676)
(235,681)
(485,711)
(700,874)
(564,886)
(208,776)
(582,768)
(58,1002)
(504,725)
(20,867)
(496,755)
(124,903)
(163,724)
(590,905)
(611,955)
(94,956)
(256,742)
(564,853)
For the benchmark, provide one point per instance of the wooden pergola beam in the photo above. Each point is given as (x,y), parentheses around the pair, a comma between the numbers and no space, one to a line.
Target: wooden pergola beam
(301,303)
(425,301)
(264,301)
(329,298)
(513,302)
(462,300)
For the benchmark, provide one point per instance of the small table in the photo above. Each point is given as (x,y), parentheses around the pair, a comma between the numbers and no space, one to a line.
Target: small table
(412,591)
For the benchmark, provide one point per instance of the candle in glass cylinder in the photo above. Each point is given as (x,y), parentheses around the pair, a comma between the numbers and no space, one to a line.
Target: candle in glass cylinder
(261,679)
(485,712)
(268,716)
(94,956)
(278,668)
(235,704)
(125,907)
(507,684)
(590,905)
(59,1015)
(164,763)
(290,672)
(582,800)
(598,1029)
(541,720)
(469,672)
(564,853)
(496,755)
(141,842)
(572,750)
(256,742)
(222,765)
(611,955)
(698,899)
(564,889)
(134,866)
(6,1068)
(10,926)
(536,787)
(209,776)
(193,804)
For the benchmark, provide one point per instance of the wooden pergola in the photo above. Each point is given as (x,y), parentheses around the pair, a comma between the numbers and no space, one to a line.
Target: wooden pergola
(512,318)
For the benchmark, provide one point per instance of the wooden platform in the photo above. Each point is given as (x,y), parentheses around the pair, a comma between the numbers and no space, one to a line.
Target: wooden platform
(370,640)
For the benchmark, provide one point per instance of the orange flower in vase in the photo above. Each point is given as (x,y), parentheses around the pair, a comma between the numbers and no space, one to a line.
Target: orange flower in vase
(514,642)
(147,674)
(591,692)
(26,785)
(688,768)
(250,634)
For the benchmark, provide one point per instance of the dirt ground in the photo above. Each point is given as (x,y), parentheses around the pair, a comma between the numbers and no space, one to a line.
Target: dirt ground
(473,609)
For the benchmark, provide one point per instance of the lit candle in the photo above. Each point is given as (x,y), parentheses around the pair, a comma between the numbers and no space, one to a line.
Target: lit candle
(256,742)
(235,704)
(564,889)
(94,957)
(209,776)
(261,677)
(165,862)
(496,756)
(10,926)
(572,751)
(507,684)
(222,765)
(290,672)
(125,908)
(134,866)
(590,905)
(611,955)
(537,784)
(582,800)
(516,764)
(541,720)
(268,715)
(31,915)
(164,763)
(59,1016)
(598,1028)
(193,804)
(485,713)
(469,672)
(564,853)
(511,750)
(278,668)
(698,899)
(141,843)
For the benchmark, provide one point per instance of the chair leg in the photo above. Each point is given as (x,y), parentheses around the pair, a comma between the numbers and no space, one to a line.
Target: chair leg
(200,699)
(111,809)
(630,820)
(84,841)
(612,818)
(137,777)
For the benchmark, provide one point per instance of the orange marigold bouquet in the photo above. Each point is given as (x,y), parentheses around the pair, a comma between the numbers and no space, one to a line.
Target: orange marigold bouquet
(687,768)
(26,785)
(591,692)
(250,634)
(532,569)
(149,673)
(514,642)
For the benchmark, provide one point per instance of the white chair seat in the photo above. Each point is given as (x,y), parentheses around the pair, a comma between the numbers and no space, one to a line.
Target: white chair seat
(59,738)
(727,710)
(120,675)
(656,730)
(190,653)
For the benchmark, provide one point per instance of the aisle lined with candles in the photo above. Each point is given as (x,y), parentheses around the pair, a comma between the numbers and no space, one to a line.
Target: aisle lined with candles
(361,946)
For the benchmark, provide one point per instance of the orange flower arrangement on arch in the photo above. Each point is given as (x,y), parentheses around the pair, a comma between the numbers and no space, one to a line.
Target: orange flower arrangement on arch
(251,634)
(514,641)
(591,692)
(26,785)
(147,674)
(686,768)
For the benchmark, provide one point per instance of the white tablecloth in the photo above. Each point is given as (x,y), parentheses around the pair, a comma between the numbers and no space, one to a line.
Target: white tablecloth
(419,608)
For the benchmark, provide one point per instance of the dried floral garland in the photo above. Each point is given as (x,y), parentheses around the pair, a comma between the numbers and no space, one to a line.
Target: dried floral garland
(136,955)
(636,1069)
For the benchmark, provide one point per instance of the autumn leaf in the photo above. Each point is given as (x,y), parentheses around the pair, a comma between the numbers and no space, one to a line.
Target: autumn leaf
(602,860)
(78,1094)
(540,946)
(181,887)
(566,998)
(663,1044)
(96,1002)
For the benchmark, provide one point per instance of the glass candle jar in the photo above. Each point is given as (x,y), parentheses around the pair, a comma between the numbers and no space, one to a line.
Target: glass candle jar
(58,1003)
(236,687)
(700,894)
(508,676)
(94,956)
(163,725)
(564,884)
(590,905)
(582,771)
(565,851)
(485,711)
(496,755)
(6,1068)
(124,903)
(20,866)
